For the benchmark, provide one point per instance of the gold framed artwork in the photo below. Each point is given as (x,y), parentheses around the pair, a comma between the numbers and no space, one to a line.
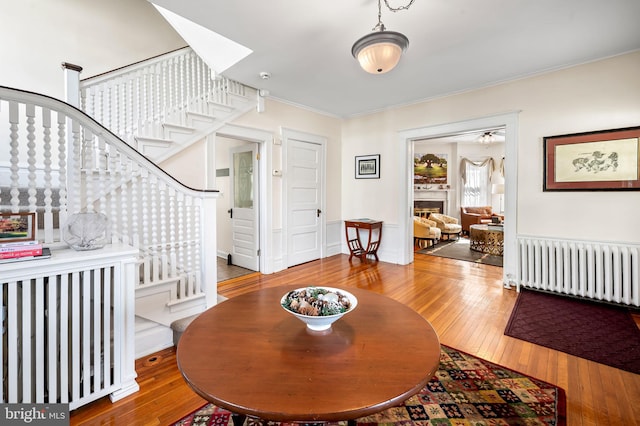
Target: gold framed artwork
(16,227)
(606,160)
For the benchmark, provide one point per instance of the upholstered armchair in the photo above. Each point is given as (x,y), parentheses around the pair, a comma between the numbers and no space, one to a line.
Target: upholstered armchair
(425,230)
(477,216)
(448,225)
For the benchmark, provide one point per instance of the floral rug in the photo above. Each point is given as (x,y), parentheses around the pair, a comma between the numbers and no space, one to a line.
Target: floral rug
(465,390)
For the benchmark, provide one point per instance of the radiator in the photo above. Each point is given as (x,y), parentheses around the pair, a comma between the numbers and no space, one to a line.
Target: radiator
(593,270)
(58,342)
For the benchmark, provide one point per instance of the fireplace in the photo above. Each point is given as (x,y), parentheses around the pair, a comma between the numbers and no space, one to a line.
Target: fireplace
(432,201)
(431,206)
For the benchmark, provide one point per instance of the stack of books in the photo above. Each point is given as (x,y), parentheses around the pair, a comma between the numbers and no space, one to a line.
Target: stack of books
(22,250)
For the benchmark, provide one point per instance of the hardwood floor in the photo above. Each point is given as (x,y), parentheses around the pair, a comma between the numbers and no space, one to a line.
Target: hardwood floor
(464,301)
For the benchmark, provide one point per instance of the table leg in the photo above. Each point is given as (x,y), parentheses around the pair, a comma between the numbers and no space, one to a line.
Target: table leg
(238,419)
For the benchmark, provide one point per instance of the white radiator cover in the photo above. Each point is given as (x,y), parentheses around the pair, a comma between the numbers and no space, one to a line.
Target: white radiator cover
(603,271)
(67,327)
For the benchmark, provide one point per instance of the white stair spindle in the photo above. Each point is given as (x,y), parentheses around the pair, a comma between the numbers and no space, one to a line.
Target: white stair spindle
(88,157)
(154,231)
(31,155)
(172,232)
(48,213)
(14,120)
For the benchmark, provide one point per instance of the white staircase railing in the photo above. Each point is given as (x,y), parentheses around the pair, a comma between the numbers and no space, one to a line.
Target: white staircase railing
(59,161)
(151,98)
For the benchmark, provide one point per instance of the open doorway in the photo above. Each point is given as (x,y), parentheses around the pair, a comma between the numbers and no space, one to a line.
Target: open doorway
(237,225)
(218,148)
(507,121)
(453,172)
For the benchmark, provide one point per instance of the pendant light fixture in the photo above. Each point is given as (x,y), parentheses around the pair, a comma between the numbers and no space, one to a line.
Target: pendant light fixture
(380,51)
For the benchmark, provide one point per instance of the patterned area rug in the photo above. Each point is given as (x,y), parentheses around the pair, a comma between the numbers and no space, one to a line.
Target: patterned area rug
(595,331)
(464,391)
(459,249)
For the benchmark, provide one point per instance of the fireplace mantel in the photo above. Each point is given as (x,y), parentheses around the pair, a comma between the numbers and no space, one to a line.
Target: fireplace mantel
(437,195)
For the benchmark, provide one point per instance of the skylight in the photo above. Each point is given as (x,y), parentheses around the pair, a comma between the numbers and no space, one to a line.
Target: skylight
(217,51)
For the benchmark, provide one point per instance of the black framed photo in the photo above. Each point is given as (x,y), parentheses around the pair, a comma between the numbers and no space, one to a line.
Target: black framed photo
(606,160)
(368,166)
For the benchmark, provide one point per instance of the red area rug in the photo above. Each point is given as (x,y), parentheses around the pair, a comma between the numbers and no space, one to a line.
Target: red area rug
(465,390)
(595,331)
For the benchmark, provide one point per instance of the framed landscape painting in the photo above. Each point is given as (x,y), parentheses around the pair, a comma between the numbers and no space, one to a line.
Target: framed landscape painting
(607,160)
(430,168)
(16,227)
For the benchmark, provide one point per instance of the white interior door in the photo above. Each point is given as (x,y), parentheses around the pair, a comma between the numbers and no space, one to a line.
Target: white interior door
(244,209)
(305,163)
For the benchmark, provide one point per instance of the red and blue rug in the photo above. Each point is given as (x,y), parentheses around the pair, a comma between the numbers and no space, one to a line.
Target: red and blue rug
(465,390)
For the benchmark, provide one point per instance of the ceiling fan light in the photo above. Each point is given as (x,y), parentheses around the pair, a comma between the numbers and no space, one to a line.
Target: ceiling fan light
(379,52)
(486,138)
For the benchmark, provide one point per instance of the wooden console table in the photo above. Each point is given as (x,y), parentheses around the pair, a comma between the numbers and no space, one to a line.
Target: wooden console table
(355,243)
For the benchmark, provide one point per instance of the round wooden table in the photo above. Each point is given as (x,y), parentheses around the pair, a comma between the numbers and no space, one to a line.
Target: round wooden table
(249,356)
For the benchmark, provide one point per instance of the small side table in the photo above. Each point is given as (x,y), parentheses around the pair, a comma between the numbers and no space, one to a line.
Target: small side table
(355,243)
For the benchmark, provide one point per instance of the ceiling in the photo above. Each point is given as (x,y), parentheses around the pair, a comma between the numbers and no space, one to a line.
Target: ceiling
(454,45)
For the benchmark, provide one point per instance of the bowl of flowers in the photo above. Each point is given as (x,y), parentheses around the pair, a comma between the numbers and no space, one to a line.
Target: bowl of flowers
(318,307)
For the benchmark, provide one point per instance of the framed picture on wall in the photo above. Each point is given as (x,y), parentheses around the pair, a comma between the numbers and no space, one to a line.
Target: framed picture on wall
(430,168)
(607,160)
(368,166)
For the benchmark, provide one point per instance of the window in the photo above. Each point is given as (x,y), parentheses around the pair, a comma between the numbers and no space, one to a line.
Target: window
(476,179)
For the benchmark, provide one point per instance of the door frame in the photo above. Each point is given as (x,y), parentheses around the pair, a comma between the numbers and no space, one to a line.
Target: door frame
(406,138)
(264,139)
(287,134)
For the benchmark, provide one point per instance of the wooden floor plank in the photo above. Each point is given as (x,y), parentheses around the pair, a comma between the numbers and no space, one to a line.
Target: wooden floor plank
(465,303)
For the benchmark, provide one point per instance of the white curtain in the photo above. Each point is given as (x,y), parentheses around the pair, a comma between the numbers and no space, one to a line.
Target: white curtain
(476,181)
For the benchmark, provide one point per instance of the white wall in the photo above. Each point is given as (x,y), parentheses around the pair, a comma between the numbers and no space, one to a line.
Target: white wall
(594,96)
(99,35)
(599,95)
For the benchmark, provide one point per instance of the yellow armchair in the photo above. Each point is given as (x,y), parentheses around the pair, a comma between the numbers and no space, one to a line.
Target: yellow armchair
(448,225)
(425,230)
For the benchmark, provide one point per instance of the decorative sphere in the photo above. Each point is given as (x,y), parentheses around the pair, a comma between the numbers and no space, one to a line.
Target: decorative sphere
(86,231)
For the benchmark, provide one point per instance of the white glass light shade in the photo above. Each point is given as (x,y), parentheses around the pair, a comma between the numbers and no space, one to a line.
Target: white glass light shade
(379,52)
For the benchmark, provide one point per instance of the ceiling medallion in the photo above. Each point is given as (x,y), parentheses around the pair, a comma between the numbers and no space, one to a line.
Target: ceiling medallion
(380,51)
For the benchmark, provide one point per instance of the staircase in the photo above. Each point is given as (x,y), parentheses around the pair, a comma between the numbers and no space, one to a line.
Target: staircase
(165,104)
(62,160)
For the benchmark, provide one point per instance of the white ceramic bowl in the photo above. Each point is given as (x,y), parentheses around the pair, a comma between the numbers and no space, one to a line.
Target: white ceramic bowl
(322,322)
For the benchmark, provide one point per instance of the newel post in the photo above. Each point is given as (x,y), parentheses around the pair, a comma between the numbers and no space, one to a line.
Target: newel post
(72,83)
(209,248)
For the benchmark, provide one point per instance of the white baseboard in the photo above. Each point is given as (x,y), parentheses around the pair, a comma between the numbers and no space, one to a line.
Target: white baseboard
(151,338)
